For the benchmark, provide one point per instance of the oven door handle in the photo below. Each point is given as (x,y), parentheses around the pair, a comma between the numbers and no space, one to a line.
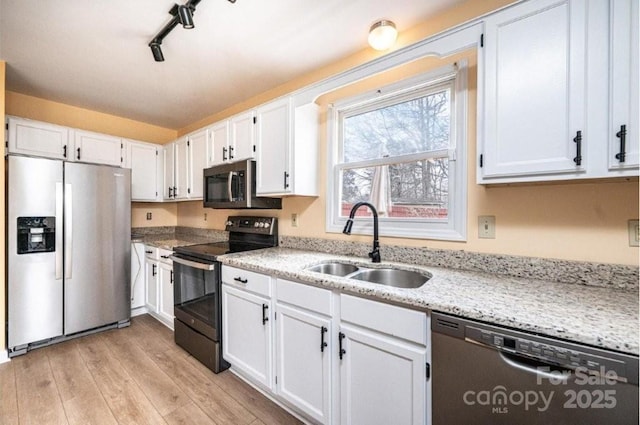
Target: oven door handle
(194,264)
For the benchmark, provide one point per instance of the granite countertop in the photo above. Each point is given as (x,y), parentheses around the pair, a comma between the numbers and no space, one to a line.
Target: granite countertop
(601,317)
(170,240)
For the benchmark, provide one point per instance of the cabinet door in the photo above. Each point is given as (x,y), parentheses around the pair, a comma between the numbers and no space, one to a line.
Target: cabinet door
(38,139)
(534,81)
(169,186)
(152,285)
(242,137)
(219,151)
(142,158)
(382,380)
(304,362)
(181,171)
(624,17)
(197,161)
(165,305)
(273,139)
(97,148)
(246,320)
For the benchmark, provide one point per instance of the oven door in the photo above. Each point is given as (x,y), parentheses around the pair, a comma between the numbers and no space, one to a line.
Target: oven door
(196,292)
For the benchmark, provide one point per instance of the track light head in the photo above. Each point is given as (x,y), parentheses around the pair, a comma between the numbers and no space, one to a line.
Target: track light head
(157,51)
(185,17)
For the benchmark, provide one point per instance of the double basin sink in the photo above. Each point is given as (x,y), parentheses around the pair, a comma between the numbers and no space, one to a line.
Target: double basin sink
(385,276)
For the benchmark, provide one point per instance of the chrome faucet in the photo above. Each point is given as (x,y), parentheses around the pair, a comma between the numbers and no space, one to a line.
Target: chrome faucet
(375,254)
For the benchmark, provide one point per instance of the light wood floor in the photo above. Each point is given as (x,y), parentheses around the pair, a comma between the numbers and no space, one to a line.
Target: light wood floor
(134,375)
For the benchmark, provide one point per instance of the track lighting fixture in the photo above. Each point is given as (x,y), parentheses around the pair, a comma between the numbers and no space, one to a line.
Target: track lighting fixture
(182,15)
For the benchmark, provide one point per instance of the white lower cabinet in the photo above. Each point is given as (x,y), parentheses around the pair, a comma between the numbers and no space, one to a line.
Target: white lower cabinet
(337,359)
(247,334)
(159,284)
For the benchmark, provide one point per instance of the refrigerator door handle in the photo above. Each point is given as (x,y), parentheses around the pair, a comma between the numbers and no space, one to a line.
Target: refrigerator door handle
(59,198)
(68,230)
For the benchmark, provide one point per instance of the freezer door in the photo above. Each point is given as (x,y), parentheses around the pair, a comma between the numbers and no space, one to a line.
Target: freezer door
(34,293)
(97,246)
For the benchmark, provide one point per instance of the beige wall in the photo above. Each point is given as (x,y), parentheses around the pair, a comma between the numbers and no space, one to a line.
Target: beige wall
(162,214)
(2,205)
(59,113)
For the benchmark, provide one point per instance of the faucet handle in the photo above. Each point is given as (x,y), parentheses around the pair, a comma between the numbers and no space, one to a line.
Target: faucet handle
(375,255)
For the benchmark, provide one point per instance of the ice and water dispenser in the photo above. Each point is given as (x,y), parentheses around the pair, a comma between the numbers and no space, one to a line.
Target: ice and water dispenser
(36,234)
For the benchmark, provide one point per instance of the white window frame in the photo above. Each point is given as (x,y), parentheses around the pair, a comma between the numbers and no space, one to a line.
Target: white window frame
(452,229)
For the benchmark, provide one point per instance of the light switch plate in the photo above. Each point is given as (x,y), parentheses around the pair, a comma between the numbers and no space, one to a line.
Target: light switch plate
(634,233)
(149,216)
(294,220)
(487,227)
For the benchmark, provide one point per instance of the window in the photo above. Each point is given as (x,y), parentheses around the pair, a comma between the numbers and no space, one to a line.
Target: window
(401,149)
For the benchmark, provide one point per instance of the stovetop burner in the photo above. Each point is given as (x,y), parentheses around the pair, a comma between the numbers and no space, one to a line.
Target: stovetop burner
(245,234)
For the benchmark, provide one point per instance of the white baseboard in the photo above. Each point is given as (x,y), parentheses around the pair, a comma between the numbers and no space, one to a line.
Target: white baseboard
(138,311)
(4,356)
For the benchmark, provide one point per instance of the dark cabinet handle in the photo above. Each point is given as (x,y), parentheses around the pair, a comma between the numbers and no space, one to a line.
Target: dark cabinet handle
(171,279)
(286,180)
(265,319)
(170,192)
(148,252)
(166,257)
(175,191)
(153,270)
(230,152)
(78,154)
(323,344)
(341,351)
(578,141)
(241,280)
(64,151)
(224,153)
(622,135)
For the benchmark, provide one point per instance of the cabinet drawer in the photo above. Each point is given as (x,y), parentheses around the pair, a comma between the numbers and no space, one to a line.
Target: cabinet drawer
(163,255)
(305,296)
(250,281)
(151,252)
(385,318)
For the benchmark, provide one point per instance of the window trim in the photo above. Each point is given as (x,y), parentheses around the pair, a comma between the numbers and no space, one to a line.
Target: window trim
(455,228)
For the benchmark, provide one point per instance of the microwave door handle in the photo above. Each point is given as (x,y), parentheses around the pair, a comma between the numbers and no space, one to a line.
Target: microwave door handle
(229,182)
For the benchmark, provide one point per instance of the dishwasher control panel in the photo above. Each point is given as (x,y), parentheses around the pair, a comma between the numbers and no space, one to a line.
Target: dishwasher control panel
(542,349)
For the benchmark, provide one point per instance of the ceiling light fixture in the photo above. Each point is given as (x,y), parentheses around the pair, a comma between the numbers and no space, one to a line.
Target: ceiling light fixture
(382,34)
(182,15)
(185,17)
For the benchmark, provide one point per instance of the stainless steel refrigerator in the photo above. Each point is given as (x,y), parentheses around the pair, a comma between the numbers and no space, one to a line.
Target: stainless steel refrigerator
(68,249)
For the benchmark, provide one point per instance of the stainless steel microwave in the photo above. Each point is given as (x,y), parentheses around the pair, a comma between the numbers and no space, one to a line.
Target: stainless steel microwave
(233,186)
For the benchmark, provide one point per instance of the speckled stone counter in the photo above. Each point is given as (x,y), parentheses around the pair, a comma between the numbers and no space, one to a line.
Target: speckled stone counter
(171,237)
(598,316)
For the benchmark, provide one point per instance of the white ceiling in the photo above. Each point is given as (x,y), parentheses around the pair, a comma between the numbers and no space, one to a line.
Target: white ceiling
(94,53)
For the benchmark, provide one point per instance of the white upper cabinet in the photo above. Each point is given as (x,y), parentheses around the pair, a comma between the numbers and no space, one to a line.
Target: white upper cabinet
(623,132)
(169,186)
(97,148)
(197,161)
(181,169)
(36,138)
(287,149)
(144,160)
(534,90)
(219,143)
(242,142)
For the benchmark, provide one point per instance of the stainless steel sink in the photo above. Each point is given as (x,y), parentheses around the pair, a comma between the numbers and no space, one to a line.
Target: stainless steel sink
(393,277)
(336,269)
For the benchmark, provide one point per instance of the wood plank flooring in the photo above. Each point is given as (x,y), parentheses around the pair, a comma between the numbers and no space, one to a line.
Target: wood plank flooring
(135,375)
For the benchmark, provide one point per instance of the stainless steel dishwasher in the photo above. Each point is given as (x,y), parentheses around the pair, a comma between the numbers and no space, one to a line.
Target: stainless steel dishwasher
(484,374)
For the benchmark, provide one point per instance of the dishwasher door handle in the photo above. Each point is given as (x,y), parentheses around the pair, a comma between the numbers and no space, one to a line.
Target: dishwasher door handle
(512,361)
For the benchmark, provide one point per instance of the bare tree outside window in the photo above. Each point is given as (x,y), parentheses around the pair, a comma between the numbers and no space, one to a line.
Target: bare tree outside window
(410,138)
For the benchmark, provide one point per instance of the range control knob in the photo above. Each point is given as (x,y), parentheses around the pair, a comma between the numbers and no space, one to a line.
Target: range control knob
(229,223)
(256,224)
(266,225)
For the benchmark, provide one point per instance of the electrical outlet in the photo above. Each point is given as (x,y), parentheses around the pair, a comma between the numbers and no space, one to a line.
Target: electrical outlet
(487,227)
(149,216)
(634,233)
(205,216)
(294,220)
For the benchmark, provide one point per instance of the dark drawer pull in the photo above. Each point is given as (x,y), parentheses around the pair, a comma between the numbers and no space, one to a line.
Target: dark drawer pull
(148,252)
(323,344)
(78,154)
(265,319)
(166,257)
(578,141)
(622,135)
(241,280)
(341,351)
